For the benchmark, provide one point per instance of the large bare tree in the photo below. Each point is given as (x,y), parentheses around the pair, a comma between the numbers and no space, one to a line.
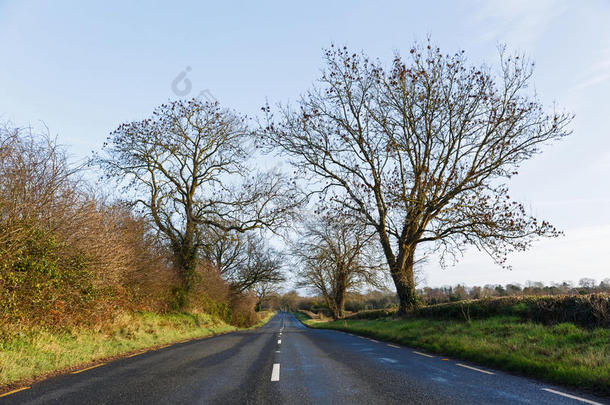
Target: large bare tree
(187,166)
(422,151)
(336,256)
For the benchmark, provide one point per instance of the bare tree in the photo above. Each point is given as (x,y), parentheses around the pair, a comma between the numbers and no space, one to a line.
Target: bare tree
(265,292)
(336,257)
(421,152)
(224,249)
(37,183)
(187,167)
(245,260)
(586,282)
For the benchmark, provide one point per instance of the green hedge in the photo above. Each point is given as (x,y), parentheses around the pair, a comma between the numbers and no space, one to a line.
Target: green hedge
(373,313)
(592,310)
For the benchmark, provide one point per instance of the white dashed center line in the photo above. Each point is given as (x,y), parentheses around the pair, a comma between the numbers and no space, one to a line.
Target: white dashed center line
(475,369)
(275,373)
(563,394)
(279,342)
(394,346)
(422,354)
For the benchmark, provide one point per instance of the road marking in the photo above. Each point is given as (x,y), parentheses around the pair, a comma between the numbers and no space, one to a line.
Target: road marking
(88,368)
(373,340)
(135,354)
(563,394)
(442,359)
(275,373)
(277,351)
(13,391)
(475,369)
(394,346)
(424,354)
(279,342)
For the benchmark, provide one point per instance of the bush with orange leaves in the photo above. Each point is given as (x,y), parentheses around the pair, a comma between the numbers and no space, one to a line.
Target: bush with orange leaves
(67,257)
(214,295)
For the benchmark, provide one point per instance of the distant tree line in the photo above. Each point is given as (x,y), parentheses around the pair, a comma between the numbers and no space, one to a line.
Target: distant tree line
(460,292)
(354,301)
(382,299)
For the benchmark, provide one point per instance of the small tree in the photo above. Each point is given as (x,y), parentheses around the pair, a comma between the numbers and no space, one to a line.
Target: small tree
(186,166)
(336,256)
(256,263)
(289,301)
(266,293)
(245,260)
(587,283)
(421,152)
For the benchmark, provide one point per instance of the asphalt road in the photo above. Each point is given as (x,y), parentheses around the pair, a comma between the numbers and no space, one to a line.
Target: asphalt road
(284,362)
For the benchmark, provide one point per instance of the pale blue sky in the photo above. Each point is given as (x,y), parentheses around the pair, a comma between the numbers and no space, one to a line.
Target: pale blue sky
(83,69)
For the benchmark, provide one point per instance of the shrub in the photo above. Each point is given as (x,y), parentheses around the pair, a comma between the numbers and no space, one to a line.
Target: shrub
(592,310)
(67,257)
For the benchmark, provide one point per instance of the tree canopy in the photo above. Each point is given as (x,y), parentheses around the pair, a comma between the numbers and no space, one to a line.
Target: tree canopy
(187,167)
(421,151)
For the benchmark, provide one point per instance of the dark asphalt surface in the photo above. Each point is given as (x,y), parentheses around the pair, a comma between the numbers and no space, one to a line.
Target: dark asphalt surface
(315,367)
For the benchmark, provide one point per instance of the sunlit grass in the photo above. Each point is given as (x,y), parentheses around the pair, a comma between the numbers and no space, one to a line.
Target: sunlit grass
(562,353)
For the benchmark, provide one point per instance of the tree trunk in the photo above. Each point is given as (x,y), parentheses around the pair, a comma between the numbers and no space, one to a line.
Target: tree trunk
(340,306)
(402,274)
(186,261)
(339,299)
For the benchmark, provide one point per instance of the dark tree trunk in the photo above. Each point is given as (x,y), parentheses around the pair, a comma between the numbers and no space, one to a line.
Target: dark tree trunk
(186,262)
(340,306)
(338,300)
(402,274)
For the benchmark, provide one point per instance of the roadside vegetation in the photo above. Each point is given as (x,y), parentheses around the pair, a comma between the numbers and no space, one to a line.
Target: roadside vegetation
(529,336)
(85,276)
(32,353)
(465,298)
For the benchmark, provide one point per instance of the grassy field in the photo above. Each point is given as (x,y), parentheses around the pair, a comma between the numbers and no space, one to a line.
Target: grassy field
(562,353)
(31,354)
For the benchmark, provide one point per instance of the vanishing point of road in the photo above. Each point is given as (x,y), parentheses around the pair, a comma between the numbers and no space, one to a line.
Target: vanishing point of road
(284,362)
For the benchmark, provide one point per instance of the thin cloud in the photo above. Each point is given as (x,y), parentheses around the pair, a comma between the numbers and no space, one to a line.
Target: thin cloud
(521,21)
(582,252)
(599,72)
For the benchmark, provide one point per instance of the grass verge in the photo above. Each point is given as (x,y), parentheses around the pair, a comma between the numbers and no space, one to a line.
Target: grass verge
(30,355)
(562,353)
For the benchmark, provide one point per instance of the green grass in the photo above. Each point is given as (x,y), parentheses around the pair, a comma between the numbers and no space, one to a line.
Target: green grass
(268,315)
(27,354)
(561,353)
